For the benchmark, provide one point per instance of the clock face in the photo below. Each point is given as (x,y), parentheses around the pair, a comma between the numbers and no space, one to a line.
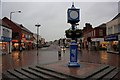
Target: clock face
(73,14)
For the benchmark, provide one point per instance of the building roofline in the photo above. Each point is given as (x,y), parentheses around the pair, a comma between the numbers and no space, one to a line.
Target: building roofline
(19,25)
(117,16)
(4,24)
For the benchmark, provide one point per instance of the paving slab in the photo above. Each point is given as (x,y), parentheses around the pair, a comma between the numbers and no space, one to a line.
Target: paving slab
(48,73)
(18,75)
(40,75)
(31,76)
(8,76)
(112,74)
(61,71)
(78,72)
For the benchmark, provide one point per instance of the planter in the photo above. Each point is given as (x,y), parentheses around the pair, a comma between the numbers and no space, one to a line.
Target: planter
(73,33)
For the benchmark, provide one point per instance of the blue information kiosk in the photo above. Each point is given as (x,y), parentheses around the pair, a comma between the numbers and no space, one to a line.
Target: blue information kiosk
(73,55)
(73,18)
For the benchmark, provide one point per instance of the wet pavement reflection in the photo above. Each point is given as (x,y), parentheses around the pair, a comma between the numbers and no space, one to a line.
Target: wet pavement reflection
(100,57)
(50,55)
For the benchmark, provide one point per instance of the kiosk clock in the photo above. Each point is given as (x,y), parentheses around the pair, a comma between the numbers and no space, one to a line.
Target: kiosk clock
(73,14)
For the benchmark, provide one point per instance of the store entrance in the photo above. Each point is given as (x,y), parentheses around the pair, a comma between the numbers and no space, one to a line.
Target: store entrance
(4,47)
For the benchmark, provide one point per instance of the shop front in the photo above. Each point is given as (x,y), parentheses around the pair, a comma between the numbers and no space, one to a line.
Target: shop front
(113,43)
(99,43)
(27,43)
(5,39)
(6,45)
(15,45)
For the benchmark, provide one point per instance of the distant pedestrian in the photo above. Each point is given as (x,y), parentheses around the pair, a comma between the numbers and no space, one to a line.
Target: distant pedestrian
(59,52)
(20,51)
(63,49)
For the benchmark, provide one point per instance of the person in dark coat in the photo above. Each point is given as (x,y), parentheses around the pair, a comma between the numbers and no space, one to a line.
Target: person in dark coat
(20,51)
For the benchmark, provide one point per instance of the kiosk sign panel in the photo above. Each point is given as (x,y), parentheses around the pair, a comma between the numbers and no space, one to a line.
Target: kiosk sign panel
(73,52)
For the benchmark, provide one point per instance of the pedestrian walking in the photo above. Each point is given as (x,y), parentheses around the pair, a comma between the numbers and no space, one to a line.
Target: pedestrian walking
(20,51)
(59,52)
(63,49)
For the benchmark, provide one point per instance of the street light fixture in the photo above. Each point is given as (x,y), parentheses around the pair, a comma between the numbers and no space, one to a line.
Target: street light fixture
(10,19)
(13,12)
(37,25)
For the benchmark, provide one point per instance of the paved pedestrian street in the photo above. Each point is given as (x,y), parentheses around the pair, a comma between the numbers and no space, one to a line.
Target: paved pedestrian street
(92,63)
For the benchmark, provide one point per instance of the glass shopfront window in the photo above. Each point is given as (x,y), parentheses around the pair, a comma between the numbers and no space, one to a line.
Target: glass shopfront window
(113,43)
(0,32)
(119,28)
(113,46)
(15,35)
(5,38)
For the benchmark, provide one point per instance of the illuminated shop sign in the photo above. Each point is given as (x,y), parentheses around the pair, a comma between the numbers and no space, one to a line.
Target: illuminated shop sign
(111,38)
(6,39)
(5,34)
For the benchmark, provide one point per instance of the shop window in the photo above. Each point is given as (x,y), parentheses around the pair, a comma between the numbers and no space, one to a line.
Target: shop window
(119,28)
(115,45)
(109,30)
(6,32)
(94,33)
(15,35)
(100,32)
(0,31)
(115,29)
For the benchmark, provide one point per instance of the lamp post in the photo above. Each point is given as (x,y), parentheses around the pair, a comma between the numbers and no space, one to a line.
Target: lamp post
(37,25)
(13,12)
(10,19)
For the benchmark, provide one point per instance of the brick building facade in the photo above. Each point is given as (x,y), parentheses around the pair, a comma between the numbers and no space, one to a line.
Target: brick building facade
(20,35)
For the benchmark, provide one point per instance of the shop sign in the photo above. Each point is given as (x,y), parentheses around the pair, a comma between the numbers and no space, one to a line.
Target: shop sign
(73,52)
(97,39)
(6,39)
(111,38)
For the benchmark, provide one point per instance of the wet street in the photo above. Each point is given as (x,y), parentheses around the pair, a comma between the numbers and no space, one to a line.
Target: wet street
(49,55)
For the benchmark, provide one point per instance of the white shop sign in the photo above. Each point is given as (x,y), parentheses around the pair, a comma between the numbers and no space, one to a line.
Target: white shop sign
(119,37)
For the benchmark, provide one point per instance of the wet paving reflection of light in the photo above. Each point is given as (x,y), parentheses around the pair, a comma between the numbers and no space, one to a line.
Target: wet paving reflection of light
(30,57)
(73,71)
(104,58)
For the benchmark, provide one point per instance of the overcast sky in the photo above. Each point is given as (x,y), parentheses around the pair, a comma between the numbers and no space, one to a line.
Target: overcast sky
(52,16)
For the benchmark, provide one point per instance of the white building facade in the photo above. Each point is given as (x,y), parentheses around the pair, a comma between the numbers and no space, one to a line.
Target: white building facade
(5,39)
(113,35)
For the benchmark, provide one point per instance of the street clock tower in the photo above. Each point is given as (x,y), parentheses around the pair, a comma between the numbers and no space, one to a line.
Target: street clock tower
(73,15)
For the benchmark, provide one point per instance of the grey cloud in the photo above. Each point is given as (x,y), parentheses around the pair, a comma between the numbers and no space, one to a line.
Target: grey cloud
(53,15)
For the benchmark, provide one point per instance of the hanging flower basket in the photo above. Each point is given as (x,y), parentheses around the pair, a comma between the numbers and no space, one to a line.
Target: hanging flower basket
(73,33)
